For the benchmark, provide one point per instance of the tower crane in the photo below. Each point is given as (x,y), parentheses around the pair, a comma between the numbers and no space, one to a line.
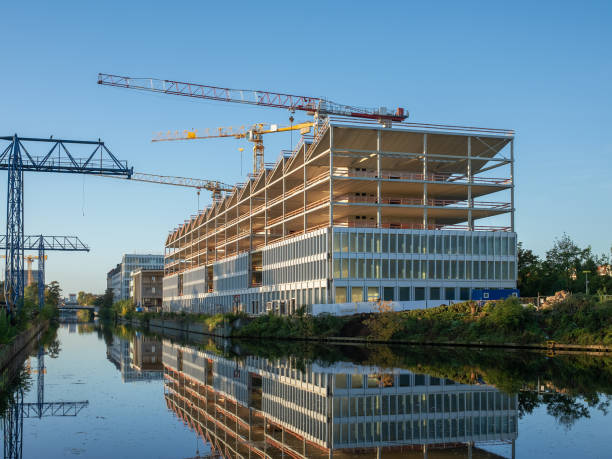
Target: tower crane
(316,106)
(217,188)
(29,260)
(253,134)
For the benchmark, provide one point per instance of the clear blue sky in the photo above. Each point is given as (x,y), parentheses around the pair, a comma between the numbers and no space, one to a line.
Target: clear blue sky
(541,68)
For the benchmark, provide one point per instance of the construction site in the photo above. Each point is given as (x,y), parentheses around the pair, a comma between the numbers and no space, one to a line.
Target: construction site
(366,208)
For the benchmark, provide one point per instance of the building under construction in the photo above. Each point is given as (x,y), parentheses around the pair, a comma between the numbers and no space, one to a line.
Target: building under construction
(257,407)
(360,212)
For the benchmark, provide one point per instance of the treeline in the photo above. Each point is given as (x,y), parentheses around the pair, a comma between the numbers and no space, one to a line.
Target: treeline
(28,309)
(564,267)
(91,299)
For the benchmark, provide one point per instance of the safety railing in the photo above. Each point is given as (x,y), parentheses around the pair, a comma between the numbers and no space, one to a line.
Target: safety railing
(416,226)
(396,200)
(441,178)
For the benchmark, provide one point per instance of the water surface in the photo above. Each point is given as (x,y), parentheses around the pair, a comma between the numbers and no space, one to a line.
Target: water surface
(128,393)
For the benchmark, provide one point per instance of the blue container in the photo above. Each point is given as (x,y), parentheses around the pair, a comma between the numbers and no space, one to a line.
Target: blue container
(484,294)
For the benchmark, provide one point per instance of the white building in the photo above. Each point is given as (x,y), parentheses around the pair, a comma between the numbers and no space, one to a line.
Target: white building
(119,278)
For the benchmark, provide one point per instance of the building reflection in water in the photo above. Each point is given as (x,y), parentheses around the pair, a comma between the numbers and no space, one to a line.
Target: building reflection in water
(257,407)
(138,359)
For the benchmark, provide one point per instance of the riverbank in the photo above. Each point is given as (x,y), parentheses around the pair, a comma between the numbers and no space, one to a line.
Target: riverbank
(576,323)
(13,353)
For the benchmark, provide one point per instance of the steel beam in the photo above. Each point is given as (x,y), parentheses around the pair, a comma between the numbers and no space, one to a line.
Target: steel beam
(14,272)
(16,159)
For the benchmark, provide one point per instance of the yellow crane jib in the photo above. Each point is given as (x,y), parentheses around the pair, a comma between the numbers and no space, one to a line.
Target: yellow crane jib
(252,134)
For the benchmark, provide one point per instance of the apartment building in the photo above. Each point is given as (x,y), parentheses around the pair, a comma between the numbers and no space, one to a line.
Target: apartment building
(146,288)
(119,277)
(414,215)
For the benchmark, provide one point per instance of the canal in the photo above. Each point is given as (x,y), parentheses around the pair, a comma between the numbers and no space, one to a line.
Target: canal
(112,392)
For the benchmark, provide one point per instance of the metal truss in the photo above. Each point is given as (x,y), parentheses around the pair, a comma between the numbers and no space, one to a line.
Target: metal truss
(211,185)
(13,426)
(48,409)
(57,156)
(56,243)
(42,243)
(290,102)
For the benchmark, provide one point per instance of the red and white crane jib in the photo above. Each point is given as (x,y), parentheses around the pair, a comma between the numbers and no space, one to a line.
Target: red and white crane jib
(248,96)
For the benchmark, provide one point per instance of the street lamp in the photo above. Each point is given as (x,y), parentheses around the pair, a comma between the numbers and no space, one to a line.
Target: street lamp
(586,281)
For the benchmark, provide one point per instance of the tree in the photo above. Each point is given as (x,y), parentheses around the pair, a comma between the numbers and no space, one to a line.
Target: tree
(30,293)
(86,299)
(565,261)
(529,271)
(53,293)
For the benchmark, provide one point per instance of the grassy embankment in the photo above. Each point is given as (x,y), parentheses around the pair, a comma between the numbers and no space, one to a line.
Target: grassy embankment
(576,320)
(23,320)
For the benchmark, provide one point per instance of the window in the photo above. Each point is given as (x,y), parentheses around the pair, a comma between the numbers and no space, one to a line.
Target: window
(419,293)
(340,294)
(464,293)
(434,293)
(404,380)
(401,243)
(337,268)
(362,272)
(356,381)
(389,293)
(404,293)
(401,269)
(369,244)
(385,269)
(345,263)
(449,293)
(373,294)
(356,294)
(345,242)
(341,381)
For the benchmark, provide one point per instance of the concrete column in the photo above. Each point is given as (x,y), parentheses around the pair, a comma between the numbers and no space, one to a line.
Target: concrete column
(265,213)
(250,216)
(304,193)
(216,234)
(378,183)
(331,175)
(425,196)
(470,181)
(283,204)
(512,183)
